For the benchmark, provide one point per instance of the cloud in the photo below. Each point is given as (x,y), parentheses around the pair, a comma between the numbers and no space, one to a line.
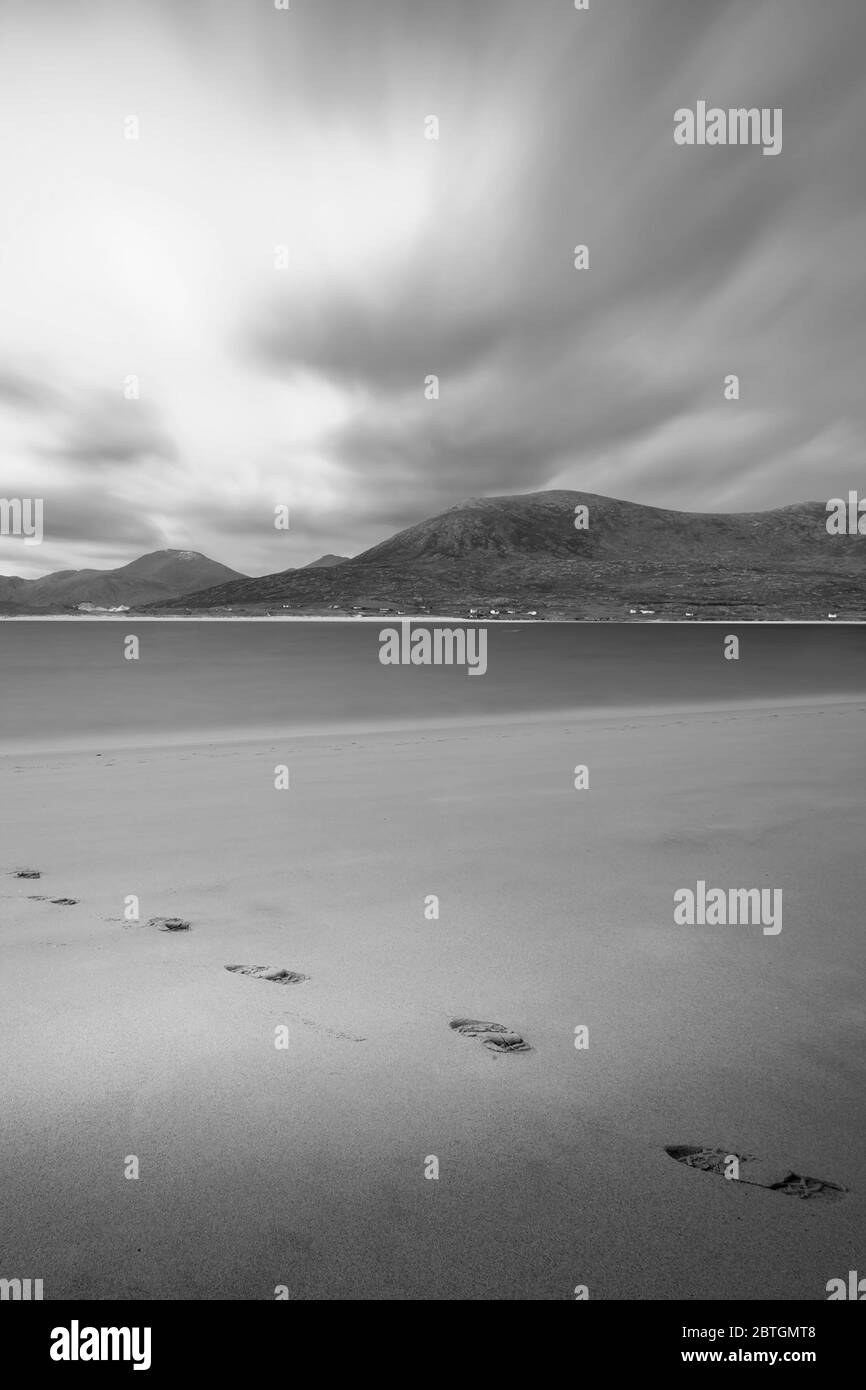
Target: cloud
(22,392)
(72,516)
(409,257)
(107,529)
(109,429)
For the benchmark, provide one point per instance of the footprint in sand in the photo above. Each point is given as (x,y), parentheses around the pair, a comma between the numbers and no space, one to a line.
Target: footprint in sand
(168,923)
(269,972)
(27,873)
(494,1036)
(59,902)
(778,1177)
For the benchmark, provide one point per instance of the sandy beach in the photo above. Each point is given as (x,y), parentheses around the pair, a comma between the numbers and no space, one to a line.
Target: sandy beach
(304,1166)
(432,674)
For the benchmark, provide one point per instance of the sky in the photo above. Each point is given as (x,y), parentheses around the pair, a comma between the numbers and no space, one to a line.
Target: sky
(282,258)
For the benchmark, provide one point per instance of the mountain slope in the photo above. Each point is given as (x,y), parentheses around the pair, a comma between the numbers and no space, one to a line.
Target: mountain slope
(164,574)
(523,552)
(541,525)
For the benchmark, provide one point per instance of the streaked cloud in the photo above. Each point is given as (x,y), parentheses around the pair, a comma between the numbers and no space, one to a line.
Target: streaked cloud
(304,129)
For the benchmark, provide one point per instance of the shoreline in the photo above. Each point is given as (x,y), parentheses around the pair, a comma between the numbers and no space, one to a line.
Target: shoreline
(599,716)
(390,618)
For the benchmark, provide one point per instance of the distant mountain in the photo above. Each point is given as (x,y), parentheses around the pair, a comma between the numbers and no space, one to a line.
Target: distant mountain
(523,554)
(326,562)
(164,574)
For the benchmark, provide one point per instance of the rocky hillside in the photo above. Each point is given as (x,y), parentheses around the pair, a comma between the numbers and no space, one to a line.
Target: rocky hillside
(523,553)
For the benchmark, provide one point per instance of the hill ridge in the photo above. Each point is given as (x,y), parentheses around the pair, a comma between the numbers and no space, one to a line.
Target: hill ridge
(522,555)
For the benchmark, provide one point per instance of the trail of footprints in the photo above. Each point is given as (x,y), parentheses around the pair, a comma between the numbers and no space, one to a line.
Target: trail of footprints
(496,1037)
